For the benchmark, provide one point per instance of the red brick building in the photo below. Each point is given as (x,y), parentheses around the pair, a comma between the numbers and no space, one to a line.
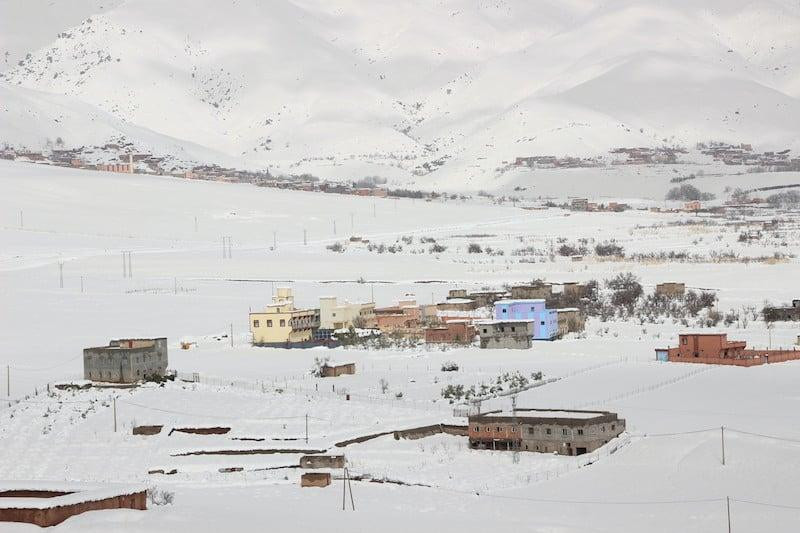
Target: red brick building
(715,348)
(454,332)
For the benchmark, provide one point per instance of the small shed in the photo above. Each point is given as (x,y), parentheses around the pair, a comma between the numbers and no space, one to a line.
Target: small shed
(322,461)
(332,370)
(315,479)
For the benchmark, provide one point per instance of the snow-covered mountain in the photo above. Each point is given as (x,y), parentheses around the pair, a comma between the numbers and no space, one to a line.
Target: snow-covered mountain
(414,91)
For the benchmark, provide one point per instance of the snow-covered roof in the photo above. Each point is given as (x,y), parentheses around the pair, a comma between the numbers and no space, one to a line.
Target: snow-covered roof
(545,413)
(521,301)
(79,492)
(459,301)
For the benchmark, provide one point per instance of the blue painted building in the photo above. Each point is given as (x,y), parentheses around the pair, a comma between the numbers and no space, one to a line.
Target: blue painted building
(545,321)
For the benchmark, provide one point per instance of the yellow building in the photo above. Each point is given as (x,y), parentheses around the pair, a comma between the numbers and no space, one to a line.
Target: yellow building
(335,315)
(281,324)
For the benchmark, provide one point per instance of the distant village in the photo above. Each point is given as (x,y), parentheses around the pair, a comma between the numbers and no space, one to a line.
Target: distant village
(123,158)
(729,154)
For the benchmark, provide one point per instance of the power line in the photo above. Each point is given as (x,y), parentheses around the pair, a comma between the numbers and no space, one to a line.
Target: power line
(762,435)
(766,504)
(39,369)
(648,435)
(169,411)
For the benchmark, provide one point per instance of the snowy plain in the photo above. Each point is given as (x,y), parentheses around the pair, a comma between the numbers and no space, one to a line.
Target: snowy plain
(661,476)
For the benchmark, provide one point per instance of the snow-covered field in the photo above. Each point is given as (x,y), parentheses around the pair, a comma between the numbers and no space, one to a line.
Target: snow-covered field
(665,474)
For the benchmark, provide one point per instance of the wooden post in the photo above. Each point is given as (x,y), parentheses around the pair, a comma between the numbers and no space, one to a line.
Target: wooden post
(722,435)
(728,506)
(115,414)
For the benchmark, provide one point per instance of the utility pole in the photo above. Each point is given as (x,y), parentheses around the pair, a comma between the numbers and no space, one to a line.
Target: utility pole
(21,220)
(306,428)
(115,414)
(130,266)
(231,335)
(345,486)
(61,274)
(722,435)
(305,237)
(274,240)
(8,384)
(728,506)
(81,284)
(334,227)
(372,291)
(175,283)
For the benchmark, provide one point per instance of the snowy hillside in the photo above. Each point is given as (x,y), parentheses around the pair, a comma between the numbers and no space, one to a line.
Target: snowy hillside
(415,91)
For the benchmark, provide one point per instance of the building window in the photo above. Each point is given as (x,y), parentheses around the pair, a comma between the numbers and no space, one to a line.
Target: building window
(283,323)
(542,323)
(256,323)
(269,323)
(580,432)
(684,341)
(549,431)
(513,328)
(603,429)
(564,431)
(513,429)
(613,426)
(488,429)
(497,429)
(530,431)
(485,330)
(477,428)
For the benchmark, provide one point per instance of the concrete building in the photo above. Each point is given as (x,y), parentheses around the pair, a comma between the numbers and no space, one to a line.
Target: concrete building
(126,360)
(456,293)
(579,204)
(283,325)
(486,298)
(573,289)
(457,304)
(545,321)
(671,289)
(570,320)
(513,334)
(564,432)
(454,332)
(534,291)
(335,315)
(716,349)
(332,370)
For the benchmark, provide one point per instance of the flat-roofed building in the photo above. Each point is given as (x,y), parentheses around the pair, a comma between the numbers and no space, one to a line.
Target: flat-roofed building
(565,432)
(283,325)
(126,360)
(512,334)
